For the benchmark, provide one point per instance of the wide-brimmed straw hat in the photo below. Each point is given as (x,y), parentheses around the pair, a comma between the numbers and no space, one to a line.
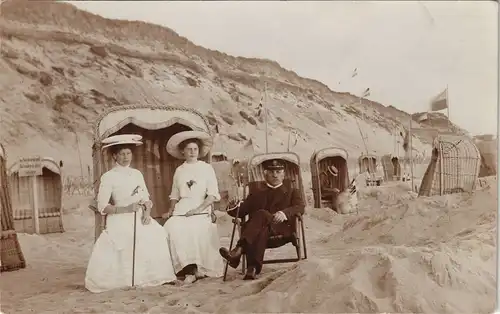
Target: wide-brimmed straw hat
(332,170)
(122,139)
(176,139)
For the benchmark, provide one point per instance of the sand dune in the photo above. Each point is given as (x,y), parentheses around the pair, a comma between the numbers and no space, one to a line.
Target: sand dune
(399,254)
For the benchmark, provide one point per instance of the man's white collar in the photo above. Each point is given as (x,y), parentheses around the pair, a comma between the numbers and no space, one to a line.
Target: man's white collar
(274,186)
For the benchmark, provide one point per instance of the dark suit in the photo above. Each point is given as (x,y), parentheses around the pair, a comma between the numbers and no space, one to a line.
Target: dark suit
(260,207)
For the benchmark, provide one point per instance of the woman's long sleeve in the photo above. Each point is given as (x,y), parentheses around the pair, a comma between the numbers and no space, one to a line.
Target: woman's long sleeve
(175,193)
(142,183)
(104,193)
(212,184)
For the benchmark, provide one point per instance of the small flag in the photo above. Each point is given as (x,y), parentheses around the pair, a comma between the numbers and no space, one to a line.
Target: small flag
(366,93)
(406,140)
(440,102)
(354,73)
(259,107)
(423,117)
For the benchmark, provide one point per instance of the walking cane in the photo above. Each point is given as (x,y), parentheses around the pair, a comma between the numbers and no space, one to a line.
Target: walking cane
(234,229)
(135,233)
(133,249)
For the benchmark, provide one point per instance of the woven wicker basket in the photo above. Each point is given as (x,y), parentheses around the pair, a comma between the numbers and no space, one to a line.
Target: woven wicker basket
(156,124)
(454,166)
(12,257)
(319,161)
(293,171)
(392,167)
(49,194)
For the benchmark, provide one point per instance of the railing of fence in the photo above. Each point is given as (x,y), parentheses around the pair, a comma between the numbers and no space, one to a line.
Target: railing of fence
(78,185)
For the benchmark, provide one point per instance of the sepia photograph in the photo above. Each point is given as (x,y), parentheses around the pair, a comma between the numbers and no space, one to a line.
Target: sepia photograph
(249,156)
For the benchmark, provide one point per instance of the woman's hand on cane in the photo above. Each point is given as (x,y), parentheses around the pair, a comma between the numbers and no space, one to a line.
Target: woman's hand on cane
(146,211)
(146,218)
(192,212)
(147,204)
(135,207)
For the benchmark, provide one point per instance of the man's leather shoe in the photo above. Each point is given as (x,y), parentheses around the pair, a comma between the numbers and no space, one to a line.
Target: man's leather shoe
(251,273)
(233,256)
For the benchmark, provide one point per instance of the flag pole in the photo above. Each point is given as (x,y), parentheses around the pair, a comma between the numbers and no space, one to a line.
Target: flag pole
(411,151)
(265,115)
(289,138)
(447,103)
(362,136)
(359,127)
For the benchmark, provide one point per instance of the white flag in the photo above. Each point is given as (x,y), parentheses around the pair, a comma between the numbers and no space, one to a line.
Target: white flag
(423,117)
(366,93)
(406,140)
(259,107)
(440,102)
(355,72)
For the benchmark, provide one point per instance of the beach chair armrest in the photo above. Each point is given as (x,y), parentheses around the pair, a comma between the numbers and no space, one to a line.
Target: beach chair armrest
(93,206)
(298,216)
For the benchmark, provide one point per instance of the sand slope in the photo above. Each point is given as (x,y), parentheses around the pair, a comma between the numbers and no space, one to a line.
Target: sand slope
(62,67)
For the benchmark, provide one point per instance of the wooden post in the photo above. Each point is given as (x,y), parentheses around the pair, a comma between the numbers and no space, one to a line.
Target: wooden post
(441,174)
(36,218)
(264,105)
(362,136)
(32,167)
(288,144)
(359,128)
(79,154)
(99,219)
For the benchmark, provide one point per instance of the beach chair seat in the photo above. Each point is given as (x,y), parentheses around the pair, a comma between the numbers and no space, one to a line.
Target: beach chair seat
(292,178)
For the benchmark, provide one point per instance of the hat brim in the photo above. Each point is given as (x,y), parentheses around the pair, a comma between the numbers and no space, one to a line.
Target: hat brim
(333,173)
(121,138)
(176,139)
(274,168)
(136,143)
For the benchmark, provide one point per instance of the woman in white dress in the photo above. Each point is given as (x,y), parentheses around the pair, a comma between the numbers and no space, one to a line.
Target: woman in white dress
(192,234)
(122,196)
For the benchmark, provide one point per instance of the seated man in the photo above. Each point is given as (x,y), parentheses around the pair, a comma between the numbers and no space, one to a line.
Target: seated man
(327,189)
(271,212)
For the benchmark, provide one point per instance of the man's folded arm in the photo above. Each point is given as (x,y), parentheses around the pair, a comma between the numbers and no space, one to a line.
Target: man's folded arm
(297,207)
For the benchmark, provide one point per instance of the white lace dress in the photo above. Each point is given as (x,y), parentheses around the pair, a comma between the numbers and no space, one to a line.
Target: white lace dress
(194,239)
(110,265)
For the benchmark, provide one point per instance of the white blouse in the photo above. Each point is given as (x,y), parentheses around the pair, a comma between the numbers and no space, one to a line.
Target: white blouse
(121,186)
(195,180)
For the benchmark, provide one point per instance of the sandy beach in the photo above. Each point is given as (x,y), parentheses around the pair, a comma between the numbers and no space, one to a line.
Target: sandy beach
(398,254)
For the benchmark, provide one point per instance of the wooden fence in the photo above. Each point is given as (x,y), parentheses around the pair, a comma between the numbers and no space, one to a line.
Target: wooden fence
(78,185)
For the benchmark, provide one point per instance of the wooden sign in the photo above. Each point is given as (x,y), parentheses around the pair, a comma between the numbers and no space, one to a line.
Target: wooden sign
(30,166)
